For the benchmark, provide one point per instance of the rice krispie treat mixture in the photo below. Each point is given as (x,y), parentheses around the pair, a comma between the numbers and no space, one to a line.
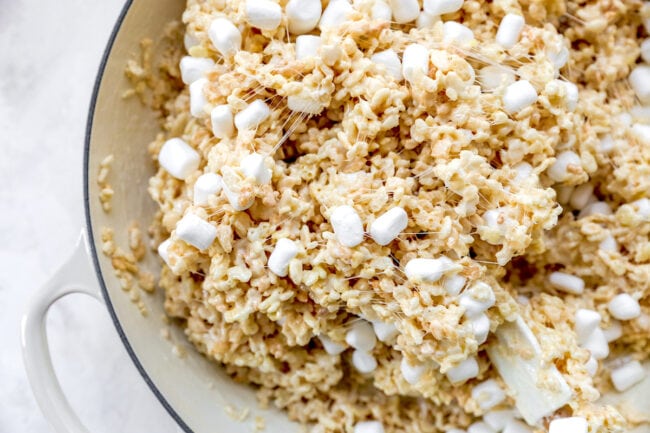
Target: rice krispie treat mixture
(413,216)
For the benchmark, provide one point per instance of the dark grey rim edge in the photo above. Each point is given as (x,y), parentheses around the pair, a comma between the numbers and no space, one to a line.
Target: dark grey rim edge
(89,228)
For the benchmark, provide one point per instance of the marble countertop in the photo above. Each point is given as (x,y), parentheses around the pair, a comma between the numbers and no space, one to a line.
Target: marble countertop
(51,51)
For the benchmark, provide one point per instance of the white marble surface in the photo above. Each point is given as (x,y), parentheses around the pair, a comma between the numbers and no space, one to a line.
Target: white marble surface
(50,54)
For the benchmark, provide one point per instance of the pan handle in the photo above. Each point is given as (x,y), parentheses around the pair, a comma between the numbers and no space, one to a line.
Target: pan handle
(76,275)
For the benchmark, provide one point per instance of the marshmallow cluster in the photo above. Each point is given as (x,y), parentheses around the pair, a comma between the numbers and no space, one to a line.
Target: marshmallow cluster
(362,338)
(348,227)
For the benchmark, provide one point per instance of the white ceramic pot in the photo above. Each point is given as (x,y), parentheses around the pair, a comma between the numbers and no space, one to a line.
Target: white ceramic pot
(194,391)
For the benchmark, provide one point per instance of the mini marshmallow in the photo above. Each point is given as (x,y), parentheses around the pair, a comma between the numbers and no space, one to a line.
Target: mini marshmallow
(347,226)
(571,94)
(558,55)
(178,158)
(369,427)
(263,14)
(363,361)
(428,270)
(163,251)
(480,327)
(415,61)
(206,185)
(640,82)
(302,104)
(381,11)
(388,226)
(196,231)
(477,299)
(330,346)
(307,46)
(251,116)
(411,373)
(516,426)
(645,50)
(494,76)
(581,195)
(567,283)
(234,199)
(190,40)
(390,60)
(624,307)
(614,332)
(285,250)
(197,98)
(596,344)
(498,419)
(642,132)
(519,95)
(559,171)
(488,394)
(524,172)
(404,11)
(606,144)
(335,14)
(456,33)
(225,37)
(467,369)
(426,20)
(573,424)
(595,208)
(628,375)
(361,336)
(586,322)
(222,121)
(385,332)
(479,427)
(642,206)
(454,284)
(442,7)
(591,366)
(303,15)
(193,68)
(253,166)
(509,30)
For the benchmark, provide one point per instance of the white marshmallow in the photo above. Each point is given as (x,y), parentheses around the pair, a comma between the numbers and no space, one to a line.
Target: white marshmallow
(516,426)
(606,144)
(347,225)
(428,270)
(571,94)
(390,60)
(596,344)
(642,206)
(614,332)
(480,327)
(263,14)
(456,33)
(303,15)
(307,46)
(253,166)
(197,98)
(411,373)
(477,299)
(591,366)
(196,231)
(628,375)
(509,30)
(645,50)
(488,394)
(455,430)
(369,427)
(190,40)
(381,11)
(581,195)
(285,250)
(640,82)
(642,132)
(426,20)
(573,424)
(335,14)
(454,284)
(558,171)
(385,332)
(558,55)
(330,346)
(361,336)
(494,76)
(163,251)
(222,121)
(234,199)
(586,322)
(363,361)
(442,7)
(524,172)
(301,104)
(498,419)
(415,61)
(178,158)
(595,208)
(479,427)
(404,11)
(251,116)
(519,95)
(624,307)
(467,369)
(567,283)
(206,185)
(193,68)
(388,226)
(225,37)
